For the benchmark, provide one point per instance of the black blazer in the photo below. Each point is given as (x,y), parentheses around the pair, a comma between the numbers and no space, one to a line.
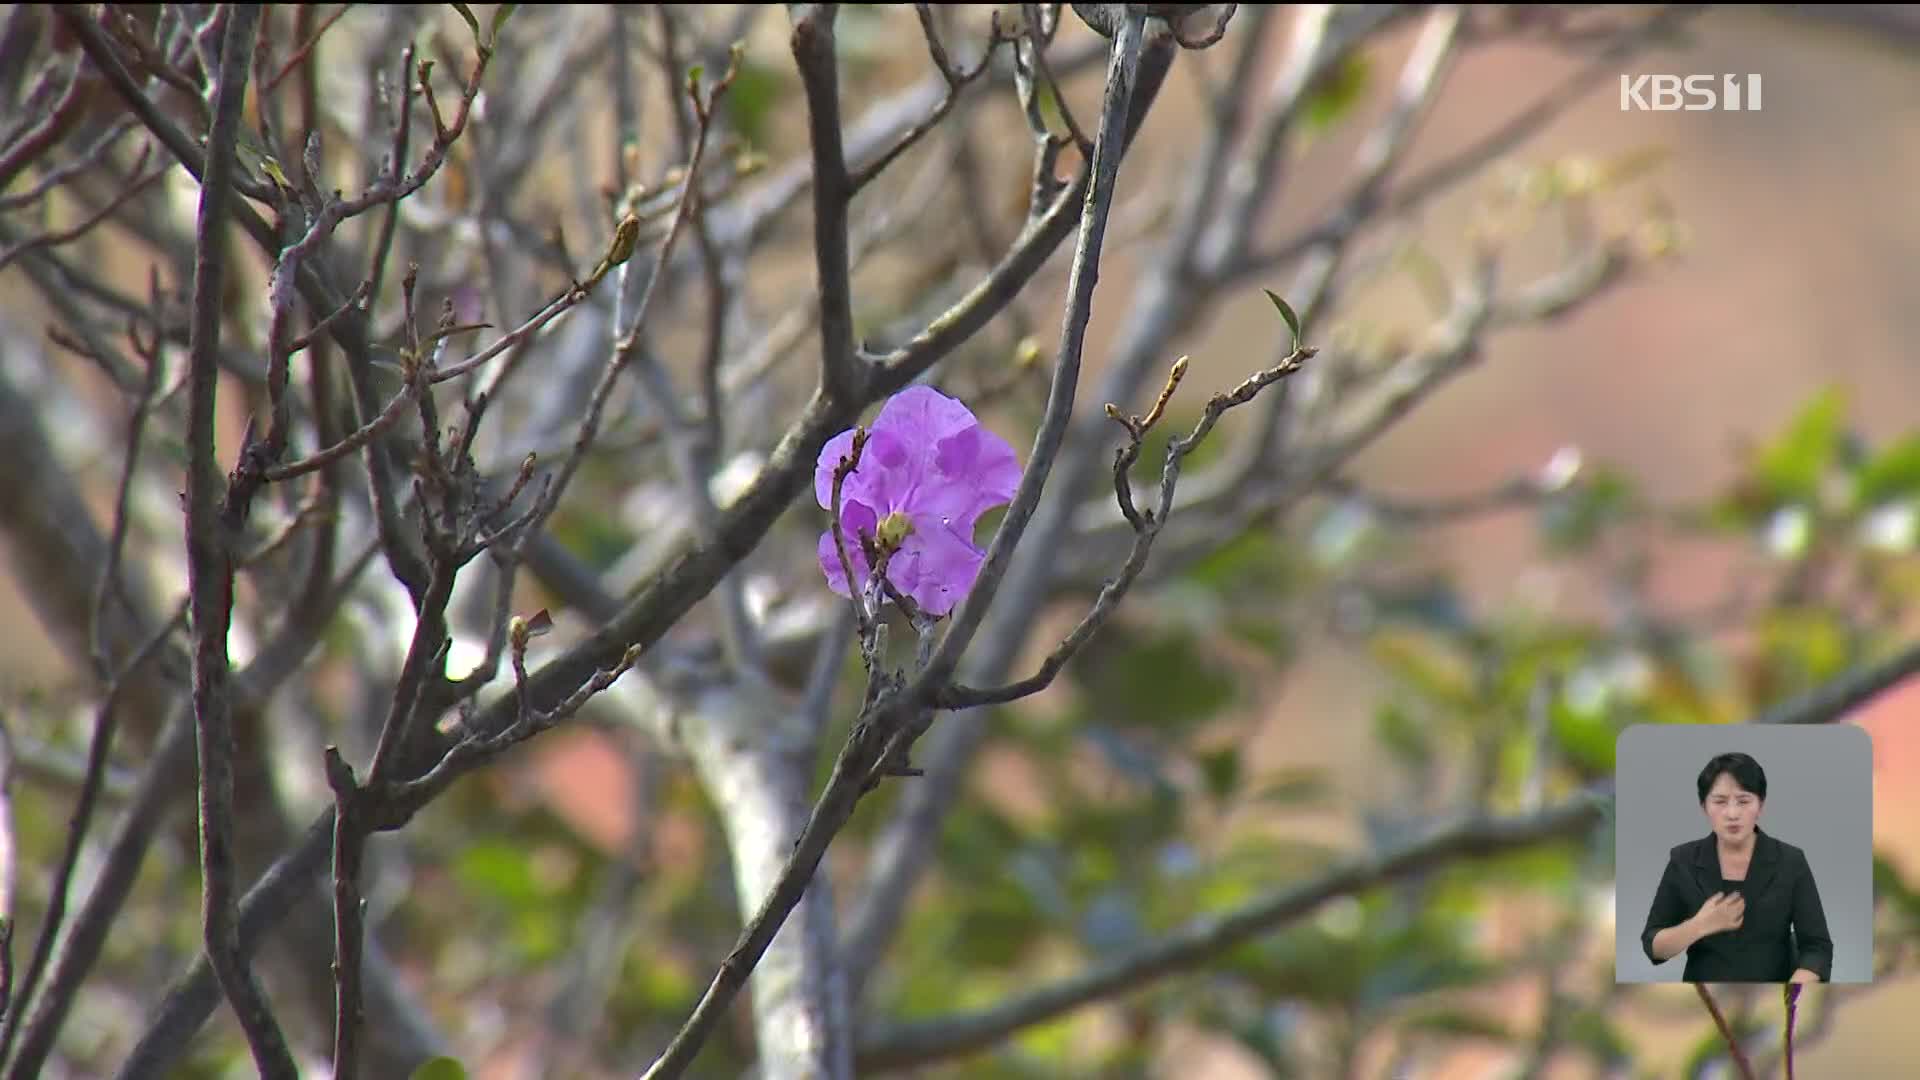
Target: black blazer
(1784,927)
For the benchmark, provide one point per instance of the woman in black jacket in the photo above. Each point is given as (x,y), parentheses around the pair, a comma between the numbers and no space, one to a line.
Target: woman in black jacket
(1741,904)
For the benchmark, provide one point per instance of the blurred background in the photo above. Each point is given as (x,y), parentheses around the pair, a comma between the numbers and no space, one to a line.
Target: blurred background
(1769,316)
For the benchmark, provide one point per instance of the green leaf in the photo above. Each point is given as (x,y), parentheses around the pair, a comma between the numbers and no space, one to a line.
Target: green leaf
(752,99)
(1792,466)
(1595,1032)
(1270,637)
(1888,886)
(500,16)
(1573,520)
(1430,603)
(440,1068)
(1221,768)
(1891,473)
(1165,682)
(1542,869)
(1301,785)
(1805,647)
(1427,666)
(1586,739)
(1460,1023)
(1286,313)
(502,871)
(1405,739)
(999,925)
(1260,1038)
(473,24)
(1337,92)
(1255,561)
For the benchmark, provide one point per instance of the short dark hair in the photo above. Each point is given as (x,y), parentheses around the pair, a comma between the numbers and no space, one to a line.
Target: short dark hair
(1745,771)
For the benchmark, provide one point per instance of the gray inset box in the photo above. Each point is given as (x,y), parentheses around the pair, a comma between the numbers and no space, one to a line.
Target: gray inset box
(1818,808)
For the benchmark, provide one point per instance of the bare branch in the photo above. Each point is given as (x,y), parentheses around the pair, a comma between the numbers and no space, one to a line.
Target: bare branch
(109,586)
(139,822)
(89,158)
(91,221)
(210,531)
(844,373)
(105,724)
(300,55)
(957,80)
(1740,1061)
(1109,145)
(1146,527)
(353,443)
(100,50)
(872,750)
(1207,938)
(1841,695)
(191,998)
(9,874)
(647,616)
(1446,174)
(28,147)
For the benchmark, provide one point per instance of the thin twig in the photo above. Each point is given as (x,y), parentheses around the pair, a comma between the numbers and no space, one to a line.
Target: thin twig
(1109,145)
(99,48)
(625,349)
(349,917)
(872,746)
(9,875)
(1146,526)
(109,585)
(844,372)
(352,444)
(124,853)
(105,725)
(1846,692)
(1740,1061)
(306,47)
(89,158)
(211,529)
(1204,940)
(957,80)
(686,577)
(30,145)
(88,223)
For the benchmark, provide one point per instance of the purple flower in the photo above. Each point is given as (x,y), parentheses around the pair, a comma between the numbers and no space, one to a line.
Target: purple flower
(927,473)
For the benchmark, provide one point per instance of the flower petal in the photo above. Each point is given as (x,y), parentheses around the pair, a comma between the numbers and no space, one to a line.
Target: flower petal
(923,416)
(976,470)
(855,519)
(936,566)
(824,466)
(928,456)
(870,483)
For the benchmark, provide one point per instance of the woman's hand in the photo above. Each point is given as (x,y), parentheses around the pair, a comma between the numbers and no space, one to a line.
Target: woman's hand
(1804,976)
(1722,912)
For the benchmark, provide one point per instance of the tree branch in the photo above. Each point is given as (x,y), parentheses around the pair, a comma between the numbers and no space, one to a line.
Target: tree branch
(873,741)
(1109,145)
(1740,1061)
(844,372)
(212,530)
(1841,695)
(753,755)
(661,603)
(1203,941)
(1146,526)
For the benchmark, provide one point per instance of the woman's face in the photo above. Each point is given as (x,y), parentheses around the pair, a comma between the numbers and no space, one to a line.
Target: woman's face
(1732,810)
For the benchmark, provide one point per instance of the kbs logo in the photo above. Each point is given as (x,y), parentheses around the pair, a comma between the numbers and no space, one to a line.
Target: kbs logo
(1690,93)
